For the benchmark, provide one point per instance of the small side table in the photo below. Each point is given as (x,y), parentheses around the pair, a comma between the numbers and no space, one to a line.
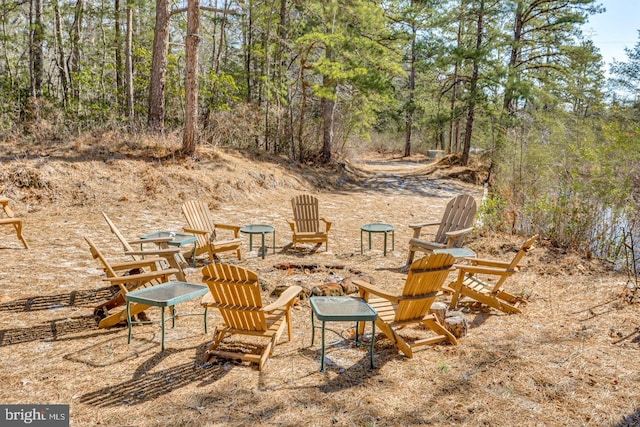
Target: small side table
(260,229)
(457,253)
(335,309)
(378,228)
(165,295)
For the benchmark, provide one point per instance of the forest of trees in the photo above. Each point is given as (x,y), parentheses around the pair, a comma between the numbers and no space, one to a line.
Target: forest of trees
(307,78)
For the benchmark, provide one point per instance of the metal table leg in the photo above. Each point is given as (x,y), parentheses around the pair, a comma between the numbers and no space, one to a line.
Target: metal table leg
(162,327)
(129,321)
(322,360)
(385,244)
(373,337)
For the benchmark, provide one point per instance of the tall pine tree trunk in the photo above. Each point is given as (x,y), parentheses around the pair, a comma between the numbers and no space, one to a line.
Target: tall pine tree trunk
(60,62)
(74,60)
(159,67)
(190,135)
(453,123)
(473,88)
(36,48)
(412,87)
(129,64)
(118,54)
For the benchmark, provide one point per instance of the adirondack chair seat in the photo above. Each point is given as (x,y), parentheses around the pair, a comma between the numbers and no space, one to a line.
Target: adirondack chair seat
(470,284)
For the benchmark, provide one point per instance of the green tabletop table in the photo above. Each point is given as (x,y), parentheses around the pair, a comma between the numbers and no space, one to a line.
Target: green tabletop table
(457,253)
(335,309)
(260,229)
(165,295)
(378,228)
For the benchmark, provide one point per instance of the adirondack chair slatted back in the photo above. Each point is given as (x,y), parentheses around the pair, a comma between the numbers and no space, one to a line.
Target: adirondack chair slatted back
(236,292)
(516,261)
(198,217)
(459,214)
(96,254)
(306,213)
(125,244)
(426,278)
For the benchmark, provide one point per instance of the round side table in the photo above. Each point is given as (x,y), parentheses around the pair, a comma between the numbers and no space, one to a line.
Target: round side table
(261,229)
(378,228)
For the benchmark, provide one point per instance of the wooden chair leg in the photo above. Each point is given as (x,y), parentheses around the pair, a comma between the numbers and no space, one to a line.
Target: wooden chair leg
(412,253)
(18,227)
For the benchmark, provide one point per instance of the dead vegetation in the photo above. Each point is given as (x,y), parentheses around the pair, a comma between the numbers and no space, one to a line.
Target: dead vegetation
(571,358)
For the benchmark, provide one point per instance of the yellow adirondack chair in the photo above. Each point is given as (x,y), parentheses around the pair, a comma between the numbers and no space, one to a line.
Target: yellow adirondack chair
(456,222)
(119,274)
(201,224)
(305,224)
(171,255)
(235,292)
(470,285)
(395,312)
(12,220)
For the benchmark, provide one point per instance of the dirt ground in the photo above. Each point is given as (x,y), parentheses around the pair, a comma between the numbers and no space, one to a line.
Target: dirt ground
(571,357)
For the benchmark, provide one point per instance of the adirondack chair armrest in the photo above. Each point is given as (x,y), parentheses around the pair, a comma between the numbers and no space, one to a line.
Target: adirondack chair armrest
(418,297)
(489,262)
(425,224)
(10,220)
(365,287)
(417,228)
(141,277)
(128,265)
(457,233)
(452,236)
(234,228)
(158,252)
(292,224)
(477,269)
(284,299)
(327,224)
(154,240)
(196,231)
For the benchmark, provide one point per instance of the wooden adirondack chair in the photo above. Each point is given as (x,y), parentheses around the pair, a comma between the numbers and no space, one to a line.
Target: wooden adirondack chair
(120,274)
(235,292)
(395,312)
(470,285)
(456,222)
(201,224)
(305,224)
(12,220)
(171,255)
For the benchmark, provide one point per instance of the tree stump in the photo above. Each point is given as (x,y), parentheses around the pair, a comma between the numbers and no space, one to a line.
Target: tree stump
(456,323)
(439,309)
(348,285)
(328,289)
